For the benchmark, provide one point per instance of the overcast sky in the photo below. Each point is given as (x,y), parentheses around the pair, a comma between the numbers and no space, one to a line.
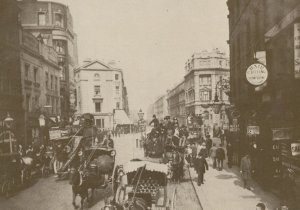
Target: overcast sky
(150,39)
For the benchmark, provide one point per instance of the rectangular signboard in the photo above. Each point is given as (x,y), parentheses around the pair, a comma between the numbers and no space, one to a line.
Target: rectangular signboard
(252,130)
(282,134)
(295,149)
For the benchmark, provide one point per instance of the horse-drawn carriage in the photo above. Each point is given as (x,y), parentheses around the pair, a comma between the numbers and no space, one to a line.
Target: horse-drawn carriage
(10,163)
(140,184)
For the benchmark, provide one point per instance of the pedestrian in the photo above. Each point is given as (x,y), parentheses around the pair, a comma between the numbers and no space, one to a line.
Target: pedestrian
(260,206)
(154,121)
(229,150)
(213,155)
(220,156)
(203,150)
(200,166)
(245,170)
(208,142)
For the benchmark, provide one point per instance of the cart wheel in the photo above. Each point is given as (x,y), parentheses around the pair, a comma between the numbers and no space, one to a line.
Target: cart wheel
(136,204)
(56,166)
(7,188)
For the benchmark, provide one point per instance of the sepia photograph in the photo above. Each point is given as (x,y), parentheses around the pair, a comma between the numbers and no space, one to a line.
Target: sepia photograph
(150,104)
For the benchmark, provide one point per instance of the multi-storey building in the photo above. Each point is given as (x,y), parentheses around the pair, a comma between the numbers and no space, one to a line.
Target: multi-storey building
(101,91)
(204,74)
(176,103)
(271,29)
(160,107)
(54,24)
(40,75)
(10,73)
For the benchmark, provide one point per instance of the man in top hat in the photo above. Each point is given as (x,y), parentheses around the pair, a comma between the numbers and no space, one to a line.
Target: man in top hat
(154,121)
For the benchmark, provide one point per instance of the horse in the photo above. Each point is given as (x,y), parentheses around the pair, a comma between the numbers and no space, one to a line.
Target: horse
(79,187)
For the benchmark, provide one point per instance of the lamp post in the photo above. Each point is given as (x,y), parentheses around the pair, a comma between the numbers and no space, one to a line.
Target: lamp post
(224,85)
(141,122)
(8,122)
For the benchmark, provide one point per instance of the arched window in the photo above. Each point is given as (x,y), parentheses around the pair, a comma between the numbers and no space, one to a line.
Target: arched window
(96,76)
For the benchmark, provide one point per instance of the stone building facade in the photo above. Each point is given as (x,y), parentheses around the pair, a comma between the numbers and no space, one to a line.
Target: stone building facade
(176,103)
(204,74)
(101,90)
(53,22)
(40,75)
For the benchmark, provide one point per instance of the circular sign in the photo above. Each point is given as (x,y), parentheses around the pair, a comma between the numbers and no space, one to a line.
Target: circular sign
(257,74)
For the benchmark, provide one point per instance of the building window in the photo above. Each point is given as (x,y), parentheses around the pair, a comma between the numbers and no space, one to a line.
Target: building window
(96,76)
(51,82)
(117,90)
(97,106)
(98,122)
(205,95)
(118,105)
(59,46)
(116,76)
(28,102)
(59,20)
(97,90)
(35,74)
(47,80)
(205,80)
(42,18)
(56,83)
(27,69)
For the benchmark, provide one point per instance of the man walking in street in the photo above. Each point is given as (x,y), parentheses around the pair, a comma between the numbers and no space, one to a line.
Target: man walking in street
(213,153)
(246,170)
(154,121)
(200,167)
(220,155)
(208,142)
(229,154)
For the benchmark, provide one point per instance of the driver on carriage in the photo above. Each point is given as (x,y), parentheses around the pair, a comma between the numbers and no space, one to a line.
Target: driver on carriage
(107,141)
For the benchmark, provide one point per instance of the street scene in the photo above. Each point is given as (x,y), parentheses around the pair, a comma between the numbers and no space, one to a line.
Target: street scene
(161,105)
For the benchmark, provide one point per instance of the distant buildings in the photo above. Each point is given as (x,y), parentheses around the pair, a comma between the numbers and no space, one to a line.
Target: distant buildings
(53,23)
(160,107)
(101,90)
(176,103)
(206,75)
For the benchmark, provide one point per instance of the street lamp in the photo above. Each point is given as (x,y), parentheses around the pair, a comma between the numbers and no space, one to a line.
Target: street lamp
(141,114)
(224,85)
(217,105)
(8,122)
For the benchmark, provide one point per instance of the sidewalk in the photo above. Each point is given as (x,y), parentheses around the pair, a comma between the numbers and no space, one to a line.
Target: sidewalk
(223,190)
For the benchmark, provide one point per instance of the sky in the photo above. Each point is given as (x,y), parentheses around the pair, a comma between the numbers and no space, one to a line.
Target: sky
(149,39)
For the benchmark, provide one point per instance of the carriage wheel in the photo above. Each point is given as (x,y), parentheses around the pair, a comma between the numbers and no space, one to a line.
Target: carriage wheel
(174,200)
(56,166)
(7,188)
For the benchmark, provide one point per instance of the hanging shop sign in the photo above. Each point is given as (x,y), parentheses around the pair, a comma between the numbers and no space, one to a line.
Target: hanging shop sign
(252,130)
(257,74)
(295,148)
(281,134)
(297,50)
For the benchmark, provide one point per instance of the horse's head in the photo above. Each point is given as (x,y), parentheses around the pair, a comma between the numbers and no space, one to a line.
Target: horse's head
(75,177)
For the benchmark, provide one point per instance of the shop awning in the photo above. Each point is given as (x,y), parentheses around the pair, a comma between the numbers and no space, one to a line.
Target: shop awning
(121,118)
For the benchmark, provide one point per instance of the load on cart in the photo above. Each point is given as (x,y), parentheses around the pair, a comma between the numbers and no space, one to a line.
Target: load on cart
(140,184)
